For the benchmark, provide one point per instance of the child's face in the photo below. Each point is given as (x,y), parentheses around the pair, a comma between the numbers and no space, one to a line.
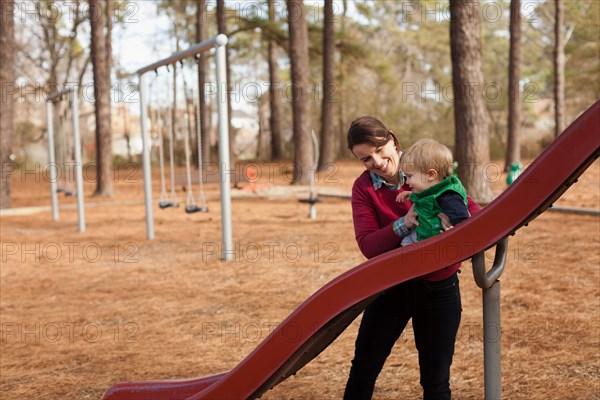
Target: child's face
(419,180)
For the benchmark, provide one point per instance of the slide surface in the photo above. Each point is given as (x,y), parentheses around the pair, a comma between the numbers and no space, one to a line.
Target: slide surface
(324,315)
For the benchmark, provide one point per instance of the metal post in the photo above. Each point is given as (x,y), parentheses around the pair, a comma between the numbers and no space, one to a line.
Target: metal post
(78,161)
(52,160)
(313,207)
(490,285)
(224,161)
(492,366)
(146,161)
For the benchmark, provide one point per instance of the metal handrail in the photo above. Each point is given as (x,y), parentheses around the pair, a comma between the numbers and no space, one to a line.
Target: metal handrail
(484,279)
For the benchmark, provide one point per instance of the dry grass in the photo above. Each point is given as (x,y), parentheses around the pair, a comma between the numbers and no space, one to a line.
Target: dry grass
(80,312)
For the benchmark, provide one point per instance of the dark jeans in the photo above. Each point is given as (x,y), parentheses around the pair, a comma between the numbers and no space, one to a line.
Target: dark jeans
(435,309)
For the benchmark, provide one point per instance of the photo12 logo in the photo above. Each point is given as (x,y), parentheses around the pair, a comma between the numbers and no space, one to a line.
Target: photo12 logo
(69,252)
(70,332)
(285,252)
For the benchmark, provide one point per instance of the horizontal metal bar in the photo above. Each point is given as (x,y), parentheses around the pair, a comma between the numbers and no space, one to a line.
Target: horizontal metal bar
(56,95)
(575,210)
(219,40)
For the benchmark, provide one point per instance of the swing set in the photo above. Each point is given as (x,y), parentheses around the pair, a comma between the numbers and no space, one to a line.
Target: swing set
(169,121)
(66,105)
(169,199)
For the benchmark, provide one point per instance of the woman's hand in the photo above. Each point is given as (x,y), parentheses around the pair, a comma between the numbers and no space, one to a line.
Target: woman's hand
(446,224)
(410,219)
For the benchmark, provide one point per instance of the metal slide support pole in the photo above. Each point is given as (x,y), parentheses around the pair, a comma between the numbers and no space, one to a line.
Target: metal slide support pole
(490,285)
(52,160)
(224,161)
(492,365)
(146,161)
(78,161)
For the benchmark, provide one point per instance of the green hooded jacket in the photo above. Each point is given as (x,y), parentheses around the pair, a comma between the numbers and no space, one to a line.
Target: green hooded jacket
(427,207)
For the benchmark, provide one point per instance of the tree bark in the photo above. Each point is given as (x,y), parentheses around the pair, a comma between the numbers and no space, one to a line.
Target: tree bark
(298,41)
(264,148)
(559,69)
(471,119)
(342,128)
(513,148)
(109,24)
(203,118)
(7,81)
(327,147)
(104,182)
(274,98)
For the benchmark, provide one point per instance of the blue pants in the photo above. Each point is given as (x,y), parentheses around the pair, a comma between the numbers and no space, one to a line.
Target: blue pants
(435,309)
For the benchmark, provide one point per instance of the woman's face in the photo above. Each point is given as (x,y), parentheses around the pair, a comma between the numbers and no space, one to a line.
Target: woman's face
(382,161)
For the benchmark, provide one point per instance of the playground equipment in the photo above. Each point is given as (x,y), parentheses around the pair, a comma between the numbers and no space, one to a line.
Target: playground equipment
(190,205)
(515,170)
(218,43)
(490,285)
(52,101)
(323,316)
(313,198)
(166,200)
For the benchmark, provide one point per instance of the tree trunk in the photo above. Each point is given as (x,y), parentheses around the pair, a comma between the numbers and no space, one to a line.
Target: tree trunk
(559,69)
(343,145)
(263,149)
(222,28)
(203,118)
(471,119)
(274,98)
(298,43)
(7,81)
(109,23)
(104,183)
(513,148)
(327,147)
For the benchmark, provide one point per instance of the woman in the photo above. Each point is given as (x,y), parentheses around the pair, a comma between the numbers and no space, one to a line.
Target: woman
(432,301)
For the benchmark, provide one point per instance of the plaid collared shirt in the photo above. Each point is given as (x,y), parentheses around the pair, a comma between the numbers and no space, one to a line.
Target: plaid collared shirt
(399,226)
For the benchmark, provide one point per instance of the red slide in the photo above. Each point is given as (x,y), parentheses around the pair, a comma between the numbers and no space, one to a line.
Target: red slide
(324,315)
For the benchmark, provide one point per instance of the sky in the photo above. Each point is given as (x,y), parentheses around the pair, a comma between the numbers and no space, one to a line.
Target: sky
(140,40)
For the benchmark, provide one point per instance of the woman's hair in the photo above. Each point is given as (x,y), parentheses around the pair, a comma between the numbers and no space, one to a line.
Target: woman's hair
(371,131)
(428,154)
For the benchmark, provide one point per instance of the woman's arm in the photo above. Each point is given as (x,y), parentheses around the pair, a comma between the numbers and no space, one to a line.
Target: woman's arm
(373,240)
(473,207)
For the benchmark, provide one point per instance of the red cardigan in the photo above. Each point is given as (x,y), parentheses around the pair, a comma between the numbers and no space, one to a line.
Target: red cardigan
(374,212)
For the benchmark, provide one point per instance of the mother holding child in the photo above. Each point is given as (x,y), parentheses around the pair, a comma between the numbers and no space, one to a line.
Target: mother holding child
(401,198)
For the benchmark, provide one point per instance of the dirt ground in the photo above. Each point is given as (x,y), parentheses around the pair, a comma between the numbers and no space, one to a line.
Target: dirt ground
(82,311)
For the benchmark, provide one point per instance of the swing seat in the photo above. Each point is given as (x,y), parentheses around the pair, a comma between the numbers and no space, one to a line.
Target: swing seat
(166,204)
(192,208)
(60,190)
(68,193)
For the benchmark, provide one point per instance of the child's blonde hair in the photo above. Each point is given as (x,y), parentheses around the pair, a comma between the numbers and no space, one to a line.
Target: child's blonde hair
(428,154)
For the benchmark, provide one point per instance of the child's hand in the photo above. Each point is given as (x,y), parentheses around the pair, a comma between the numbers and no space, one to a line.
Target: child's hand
(404,196)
